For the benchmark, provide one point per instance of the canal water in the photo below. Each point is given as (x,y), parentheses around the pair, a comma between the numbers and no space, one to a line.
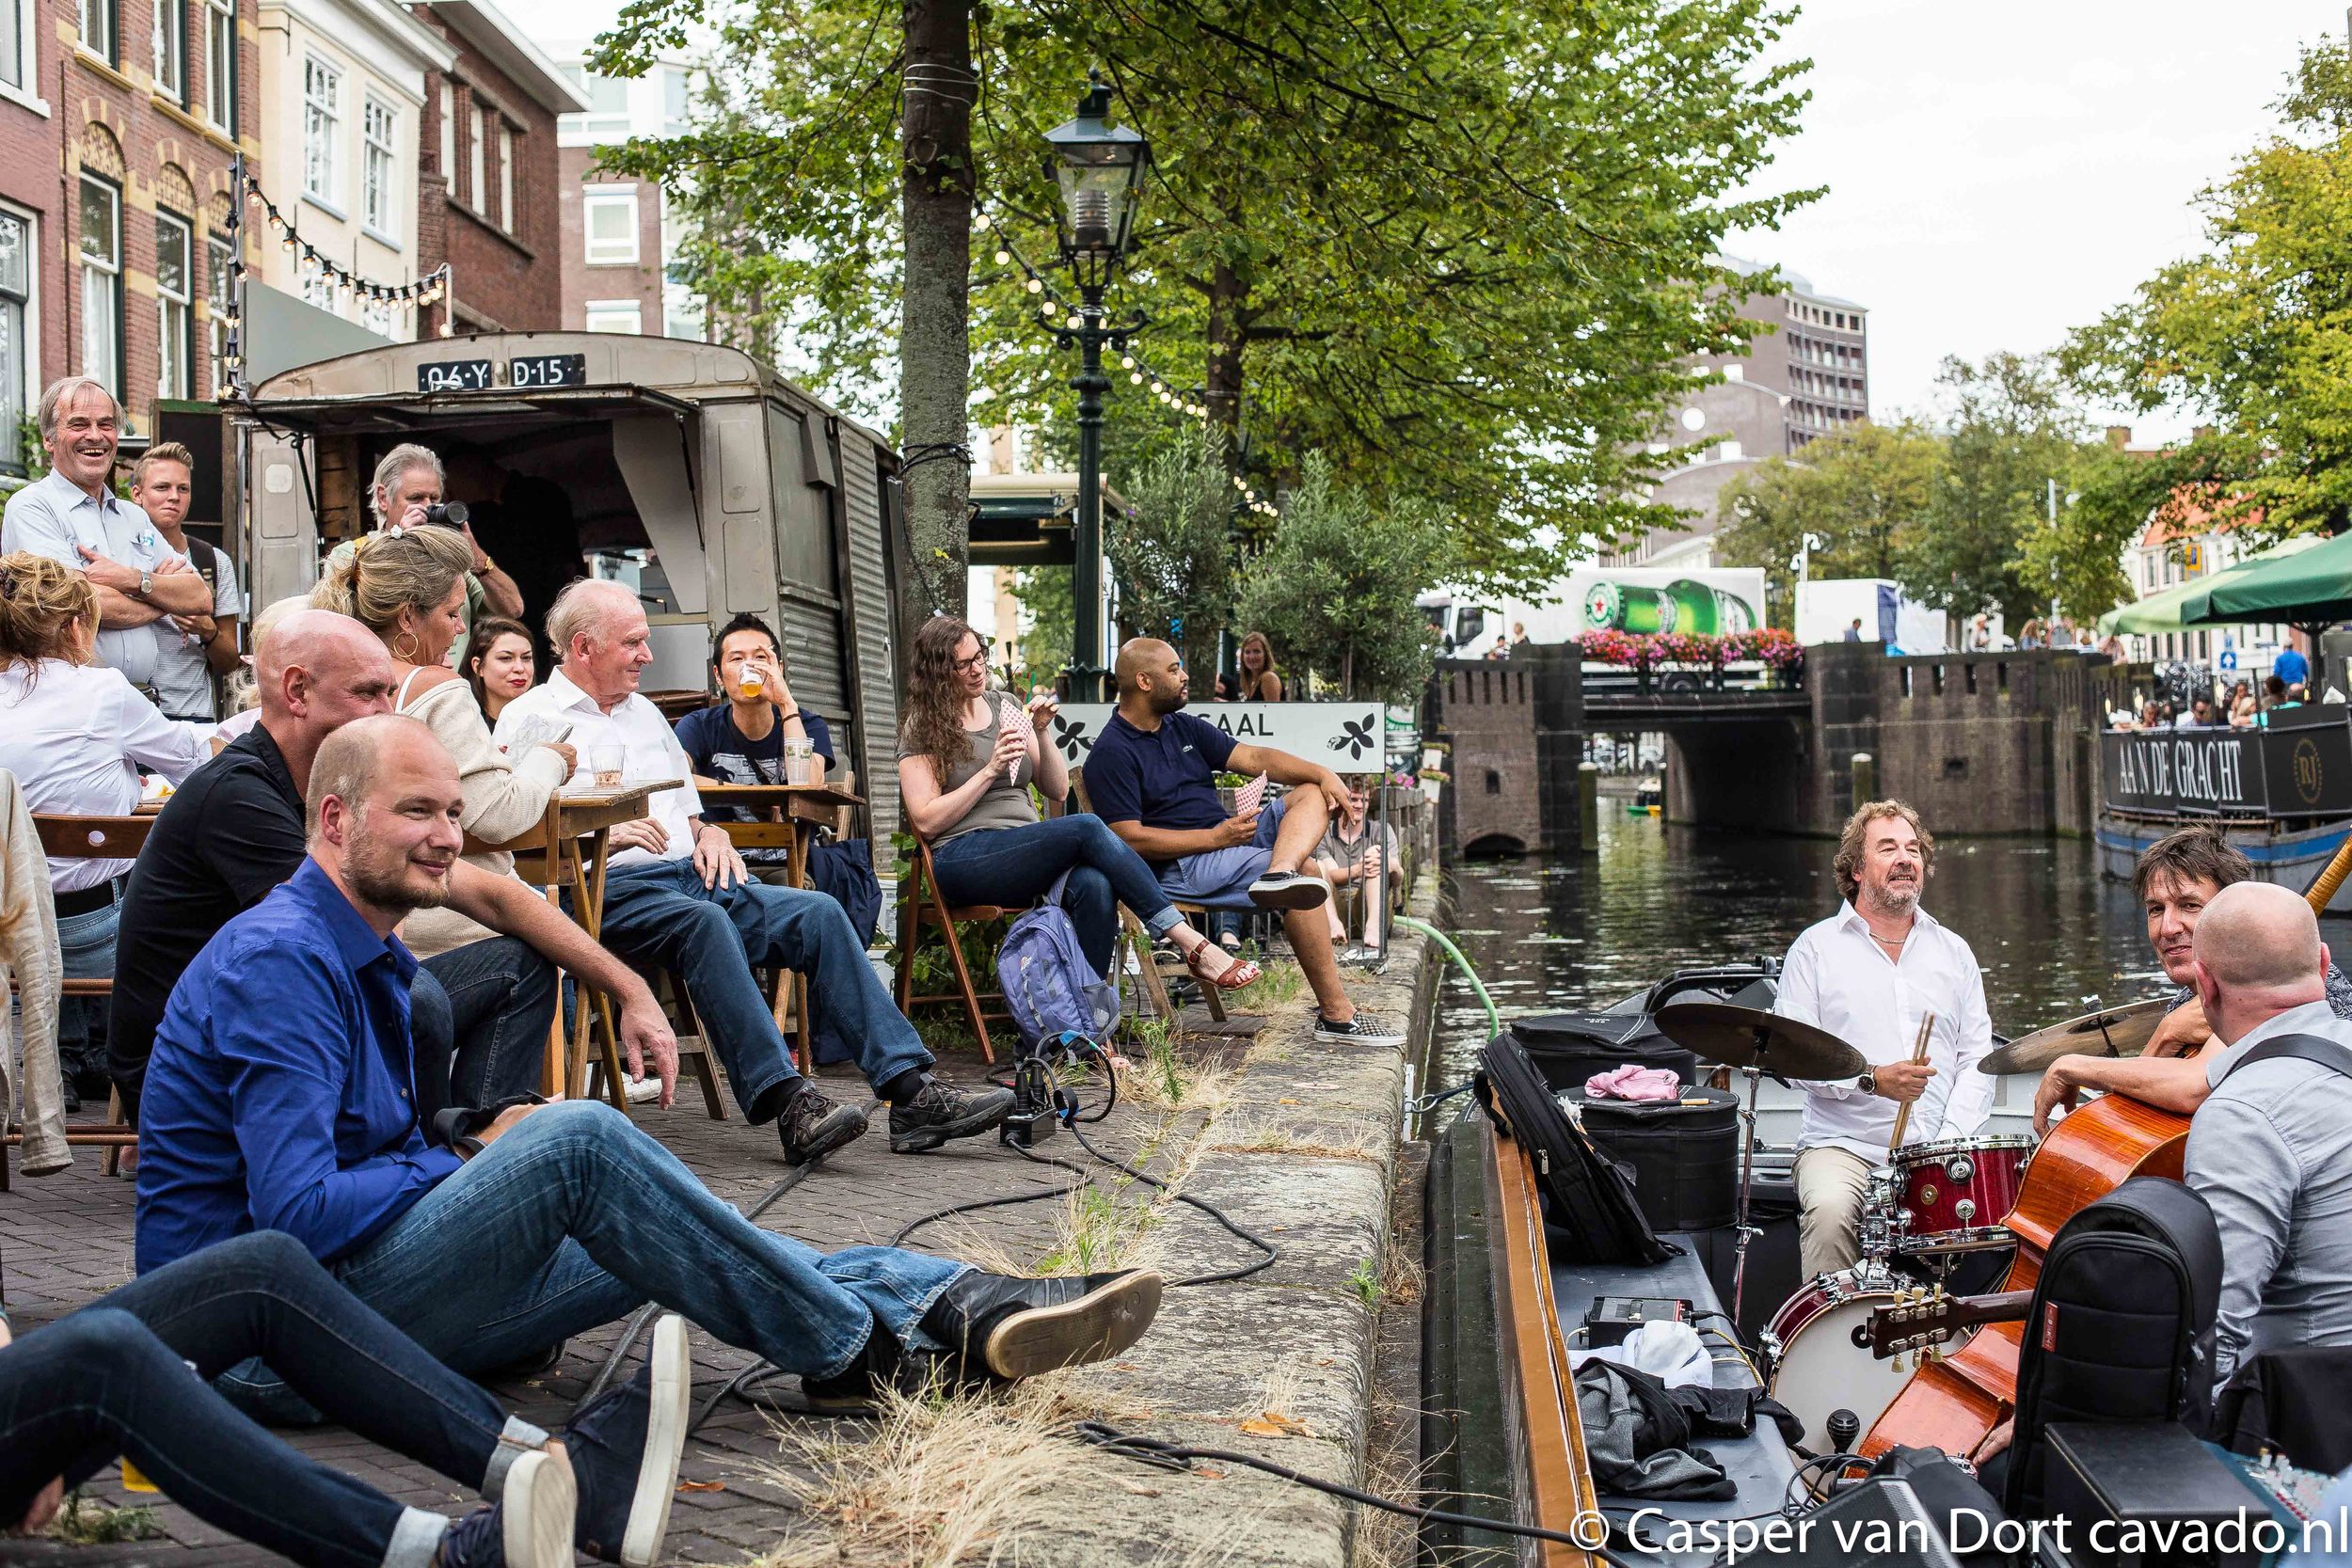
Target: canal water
(2055,939)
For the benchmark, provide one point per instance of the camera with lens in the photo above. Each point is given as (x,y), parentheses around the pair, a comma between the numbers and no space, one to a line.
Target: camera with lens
(447,513)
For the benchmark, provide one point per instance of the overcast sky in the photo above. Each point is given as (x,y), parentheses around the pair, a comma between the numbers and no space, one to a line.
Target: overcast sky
(2003,170)
(1998,171)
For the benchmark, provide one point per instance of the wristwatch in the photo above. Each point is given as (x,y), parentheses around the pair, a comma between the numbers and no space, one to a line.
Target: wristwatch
(147,583)
(1868,1083)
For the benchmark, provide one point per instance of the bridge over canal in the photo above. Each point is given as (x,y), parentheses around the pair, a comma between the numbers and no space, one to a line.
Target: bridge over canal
(1982,743)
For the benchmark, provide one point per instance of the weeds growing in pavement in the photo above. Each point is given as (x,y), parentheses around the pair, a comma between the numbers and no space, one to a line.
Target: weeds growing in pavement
(1366,1284)
(82,1522)
(1162,1080)
(1098,1232)
(1280,981)
(1251,1135)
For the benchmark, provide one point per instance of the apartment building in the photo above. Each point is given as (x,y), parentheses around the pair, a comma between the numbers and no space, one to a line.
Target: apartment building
(620,237)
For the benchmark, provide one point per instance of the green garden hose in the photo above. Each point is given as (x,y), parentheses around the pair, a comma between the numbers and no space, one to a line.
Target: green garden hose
(1494,1018)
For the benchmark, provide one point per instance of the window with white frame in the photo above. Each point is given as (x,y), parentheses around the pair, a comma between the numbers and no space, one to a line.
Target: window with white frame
(102,22)
(16,34)
(376,316)
(220,293)
(379,182)
(101,249)
(220,63)
(322,127)
(615,315)
(171,49)
(17,360)
(474,186)
(449,135)
(175,306)
(506,177)
(609,216)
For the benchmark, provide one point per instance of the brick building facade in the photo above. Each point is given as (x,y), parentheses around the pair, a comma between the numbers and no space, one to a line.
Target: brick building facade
(119,122)
(619,233)
(489,174)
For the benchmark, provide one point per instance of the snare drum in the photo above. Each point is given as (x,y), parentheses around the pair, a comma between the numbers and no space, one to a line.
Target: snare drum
(1820,1354)
(1951,1196)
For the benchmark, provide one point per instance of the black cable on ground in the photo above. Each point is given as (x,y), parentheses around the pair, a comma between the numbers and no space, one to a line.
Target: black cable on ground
(1179,1456)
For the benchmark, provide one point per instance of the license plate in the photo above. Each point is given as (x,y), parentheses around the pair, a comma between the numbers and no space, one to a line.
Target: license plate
(455,376)
(548,370)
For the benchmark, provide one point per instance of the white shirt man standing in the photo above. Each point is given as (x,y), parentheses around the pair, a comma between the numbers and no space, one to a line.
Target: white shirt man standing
(1869,974)
(197,649)
(72,516)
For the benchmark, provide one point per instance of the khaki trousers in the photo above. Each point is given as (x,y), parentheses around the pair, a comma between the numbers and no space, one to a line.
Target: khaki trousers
(1832,1185)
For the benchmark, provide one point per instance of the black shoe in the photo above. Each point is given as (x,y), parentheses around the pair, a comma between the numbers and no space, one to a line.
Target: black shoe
(811,1126)
(1289,890)
(528,1527)
(882,1363)
(1010,1328)
(624,1449)
(941,1111)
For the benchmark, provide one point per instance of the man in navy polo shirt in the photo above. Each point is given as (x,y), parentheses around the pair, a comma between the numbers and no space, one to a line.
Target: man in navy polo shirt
(1151,777)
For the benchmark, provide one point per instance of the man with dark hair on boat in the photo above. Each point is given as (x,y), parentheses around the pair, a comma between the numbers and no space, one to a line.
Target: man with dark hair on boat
(1871,974)
(2176,878)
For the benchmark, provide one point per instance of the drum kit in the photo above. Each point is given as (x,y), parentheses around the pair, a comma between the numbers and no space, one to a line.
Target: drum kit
(1928,1206)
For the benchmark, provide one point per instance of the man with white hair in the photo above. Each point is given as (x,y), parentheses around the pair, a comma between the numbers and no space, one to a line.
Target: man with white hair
(2271,1147)
(677,895)
(409,480)
(72,516)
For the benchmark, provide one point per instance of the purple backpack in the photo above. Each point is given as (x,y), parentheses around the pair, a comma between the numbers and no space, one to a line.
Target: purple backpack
(1049,987)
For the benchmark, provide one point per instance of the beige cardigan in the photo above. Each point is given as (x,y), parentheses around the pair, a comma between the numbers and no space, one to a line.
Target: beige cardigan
(28,948)
(503,799)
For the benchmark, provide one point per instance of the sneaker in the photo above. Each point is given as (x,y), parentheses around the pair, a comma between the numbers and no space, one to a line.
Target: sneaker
(883,1363)
(528,1527)
(1010,1328)
(813,1126)
(1231,941)
(940,1111)
(1290,890)
(1365,1028)
(624,1447)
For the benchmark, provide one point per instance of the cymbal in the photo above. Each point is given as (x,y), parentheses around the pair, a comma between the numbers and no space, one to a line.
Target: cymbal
(1725,1033)
(2116,1031)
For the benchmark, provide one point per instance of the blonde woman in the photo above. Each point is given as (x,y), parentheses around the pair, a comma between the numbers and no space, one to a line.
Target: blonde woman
(1259,681)
(408,587)
(75,733)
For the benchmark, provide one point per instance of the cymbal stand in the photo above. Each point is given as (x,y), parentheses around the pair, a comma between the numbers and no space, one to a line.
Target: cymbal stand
(1746,1231)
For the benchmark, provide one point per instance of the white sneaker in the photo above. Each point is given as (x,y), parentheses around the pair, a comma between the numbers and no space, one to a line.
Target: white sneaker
(643,1091)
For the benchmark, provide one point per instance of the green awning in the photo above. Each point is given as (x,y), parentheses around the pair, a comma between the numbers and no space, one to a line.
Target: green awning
(2166,611)
(2309,587)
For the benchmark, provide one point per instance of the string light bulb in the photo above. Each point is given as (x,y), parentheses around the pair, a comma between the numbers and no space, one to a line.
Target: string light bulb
(1127,361)
(982,222)
(1136,377)
(1003,258)
(1037,285)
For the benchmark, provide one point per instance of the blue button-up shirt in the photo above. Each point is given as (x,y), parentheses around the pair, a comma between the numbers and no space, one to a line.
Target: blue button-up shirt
(53,514)
(282,1092)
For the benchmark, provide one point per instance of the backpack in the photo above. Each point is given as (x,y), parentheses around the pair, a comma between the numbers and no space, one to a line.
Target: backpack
(1049,987)
(1590,1214)
(2122,1323)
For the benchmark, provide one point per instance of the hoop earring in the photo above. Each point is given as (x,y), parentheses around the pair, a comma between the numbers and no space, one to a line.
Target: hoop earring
(410,656)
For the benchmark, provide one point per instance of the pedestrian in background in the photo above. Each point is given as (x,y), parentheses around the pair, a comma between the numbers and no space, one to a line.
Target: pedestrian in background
(1261,681)
(196,650)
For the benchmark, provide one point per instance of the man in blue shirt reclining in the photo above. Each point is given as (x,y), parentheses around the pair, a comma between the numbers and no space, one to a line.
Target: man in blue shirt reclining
(282,1097)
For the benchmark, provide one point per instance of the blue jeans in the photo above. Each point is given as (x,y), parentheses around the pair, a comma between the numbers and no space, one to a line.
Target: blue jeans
(659,913)
(1011,866)
(86,944)
(110,1380)
(576,1217)
(1221,878)
(479,1015)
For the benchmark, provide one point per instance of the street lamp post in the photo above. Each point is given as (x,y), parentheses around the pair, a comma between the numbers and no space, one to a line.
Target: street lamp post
(1100,168)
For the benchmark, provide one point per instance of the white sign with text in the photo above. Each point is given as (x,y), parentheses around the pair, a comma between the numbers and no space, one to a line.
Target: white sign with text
(1344,736)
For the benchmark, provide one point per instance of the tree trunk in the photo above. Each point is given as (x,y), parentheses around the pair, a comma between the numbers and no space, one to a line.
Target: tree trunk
(1228,303)
(934,333)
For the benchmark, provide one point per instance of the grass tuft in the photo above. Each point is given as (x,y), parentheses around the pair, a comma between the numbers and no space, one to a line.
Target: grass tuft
(82,1522)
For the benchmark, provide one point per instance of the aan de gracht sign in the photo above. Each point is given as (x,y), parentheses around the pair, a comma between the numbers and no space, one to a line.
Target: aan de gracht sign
(2305,770)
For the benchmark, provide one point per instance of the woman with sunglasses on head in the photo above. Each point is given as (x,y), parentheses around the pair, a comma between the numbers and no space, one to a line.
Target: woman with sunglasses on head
(967,755)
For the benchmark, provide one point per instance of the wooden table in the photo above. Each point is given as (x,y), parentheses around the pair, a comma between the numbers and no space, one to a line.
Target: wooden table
(569,852)
(786,811)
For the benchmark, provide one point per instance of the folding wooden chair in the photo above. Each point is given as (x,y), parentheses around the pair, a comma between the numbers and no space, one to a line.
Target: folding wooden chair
(95,838)
(921,904)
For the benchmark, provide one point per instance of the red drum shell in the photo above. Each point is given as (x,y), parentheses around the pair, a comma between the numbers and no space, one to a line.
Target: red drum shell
(1956,1192)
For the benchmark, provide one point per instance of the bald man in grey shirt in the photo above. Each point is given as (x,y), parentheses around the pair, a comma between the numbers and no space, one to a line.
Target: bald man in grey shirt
(2271,1147)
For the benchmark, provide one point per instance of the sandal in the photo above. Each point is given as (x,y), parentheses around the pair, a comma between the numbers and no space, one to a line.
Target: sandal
(1237,974)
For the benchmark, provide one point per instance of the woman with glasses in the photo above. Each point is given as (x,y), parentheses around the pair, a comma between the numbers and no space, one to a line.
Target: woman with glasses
(967,756)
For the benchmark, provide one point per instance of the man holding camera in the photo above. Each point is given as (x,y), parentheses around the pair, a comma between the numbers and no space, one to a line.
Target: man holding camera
(409,483)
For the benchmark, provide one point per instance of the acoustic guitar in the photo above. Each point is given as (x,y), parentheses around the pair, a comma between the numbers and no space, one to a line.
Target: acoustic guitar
(1952,1402)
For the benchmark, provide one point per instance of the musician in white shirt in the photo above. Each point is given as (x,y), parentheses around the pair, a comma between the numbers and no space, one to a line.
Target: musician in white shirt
(1869,974)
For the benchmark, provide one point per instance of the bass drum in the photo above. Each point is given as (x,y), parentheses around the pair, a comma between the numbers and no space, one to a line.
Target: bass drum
(1821,1354)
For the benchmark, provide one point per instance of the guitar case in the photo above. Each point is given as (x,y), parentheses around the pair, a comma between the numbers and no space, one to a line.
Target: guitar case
(2122,1323)
(1590,1214)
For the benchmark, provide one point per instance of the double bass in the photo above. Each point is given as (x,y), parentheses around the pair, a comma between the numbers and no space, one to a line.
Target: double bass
(1954,1404)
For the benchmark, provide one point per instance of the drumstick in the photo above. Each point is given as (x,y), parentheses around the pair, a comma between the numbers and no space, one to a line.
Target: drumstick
(1919,1053)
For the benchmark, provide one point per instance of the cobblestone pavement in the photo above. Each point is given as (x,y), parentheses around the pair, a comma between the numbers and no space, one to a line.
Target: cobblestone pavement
(67,1239)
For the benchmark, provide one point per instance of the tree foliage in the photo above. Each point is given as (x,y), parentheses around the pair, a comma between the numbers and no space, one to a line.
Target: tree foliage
(1334,588)
(1461,248)
(2009,433)
(1173,555)
(1862,494)
(2256,334)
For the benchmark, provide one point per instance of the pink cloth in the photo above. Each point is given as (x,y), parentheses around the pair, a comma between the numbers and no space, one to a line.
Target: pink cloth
(1633,1082)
